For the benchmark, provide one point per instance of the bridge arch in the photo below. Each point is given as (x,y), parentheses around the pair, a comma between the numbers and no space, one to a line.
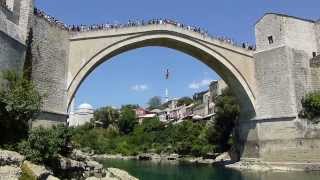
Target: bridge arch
(214,59)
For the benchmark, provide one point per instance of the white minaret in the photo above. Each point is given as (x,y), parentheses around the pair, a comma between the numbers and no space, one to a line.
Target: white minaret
(72,106)
(167,91)
(167,95)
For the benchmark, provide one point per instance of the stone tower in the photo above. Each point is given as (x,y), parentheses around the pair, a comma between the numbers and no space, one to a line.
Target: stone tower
(14,24)
(286,69)
(285,46)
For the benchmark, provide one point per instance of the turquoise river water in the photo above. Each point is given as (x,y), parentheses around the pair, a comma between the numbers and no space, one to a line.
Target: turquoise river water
(147,170)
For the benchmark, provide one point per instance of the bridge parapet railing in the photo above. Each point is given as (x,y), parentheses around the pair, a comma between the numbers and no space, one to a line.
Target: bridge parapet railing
(79,29)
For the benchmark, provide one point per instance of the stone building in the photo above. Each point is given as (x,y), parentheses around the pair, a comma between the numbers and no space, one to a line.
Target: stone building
(205,100)
(202,108)
(82,115)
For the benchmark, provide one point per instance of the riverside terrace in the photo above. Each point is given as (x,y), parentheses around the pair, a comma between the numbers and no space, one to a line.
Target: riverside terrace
(135,23)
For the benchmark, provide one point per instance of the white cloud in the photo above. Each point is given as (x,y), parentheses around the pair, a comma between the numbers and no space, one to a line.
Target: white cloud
(200,84)
(139,87)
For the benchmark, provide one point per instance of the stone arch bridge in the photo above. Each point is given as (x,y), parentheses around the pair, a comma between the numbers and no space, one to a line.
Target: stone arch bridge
(269,82)
(234,64)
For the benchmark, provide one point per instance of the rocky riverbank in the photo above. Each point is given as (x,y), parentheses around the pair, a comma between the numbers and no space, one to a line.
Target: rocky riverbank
(223,159)
(78,166)
(257,165)
(173,158)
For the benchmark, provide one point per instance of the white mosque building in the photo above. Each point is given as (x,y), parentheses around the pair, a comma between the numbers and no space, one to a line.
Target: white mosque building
(82,115)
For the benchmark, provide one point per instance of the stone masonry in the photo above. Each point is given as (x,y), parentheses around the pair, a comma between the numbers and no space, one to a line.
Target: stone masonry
(285,48)
(50,54)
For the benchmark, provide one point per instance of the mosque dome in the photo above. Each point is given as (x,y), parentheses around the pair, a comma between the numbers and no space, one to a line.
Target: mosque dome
(85,106)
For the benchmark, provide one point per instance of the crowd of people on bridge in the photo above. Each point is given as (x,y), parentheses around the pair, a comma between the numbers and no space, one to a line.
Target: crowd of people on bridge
(135,23)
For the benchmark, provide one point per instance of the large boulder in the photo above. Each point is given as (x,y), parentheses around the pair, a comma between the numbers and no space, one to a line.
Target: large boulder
(86,168)
(173,157)
(120,174)
(10,158)
(144,156)
(79,155)
(94,168)
(50,177)
(70,164)
(104,178)
(223,157)
(39,172)
(10,172)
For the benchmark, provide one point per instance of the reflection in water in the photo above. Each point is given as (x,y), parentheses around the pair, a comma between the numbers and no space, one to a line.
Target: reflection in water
(146,170)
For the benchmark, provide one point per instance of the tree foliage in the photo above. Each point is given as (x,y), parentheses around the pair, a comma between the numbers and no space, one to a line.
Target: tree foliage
(20,102)
(106,115)
(311,106)
(154,102)
(226,114)
(184,101)
(44,145)
(127,120)
(187,138)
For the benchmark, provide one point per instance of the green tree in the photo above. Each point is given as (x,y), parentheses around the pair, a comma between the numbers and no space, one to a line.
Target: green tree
(127,120)
(44,145)
(226,114)
(20,102)
(154,102)
(184,101)
(106,115)
(311,107)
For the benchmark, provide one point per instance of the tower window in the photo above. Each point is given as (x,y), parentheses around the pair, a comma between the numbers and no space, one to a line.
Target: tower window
(314,54)
(270,39)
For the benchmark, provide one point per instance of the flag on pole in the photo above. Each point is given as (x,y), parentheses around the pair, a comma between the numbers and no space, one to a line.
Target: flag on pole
(167,74)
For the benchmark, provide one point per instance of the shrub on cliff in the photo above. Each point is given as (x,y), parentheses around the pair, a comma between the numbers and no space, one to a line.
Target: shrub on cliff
(44,145)
(20,102)
(311,107)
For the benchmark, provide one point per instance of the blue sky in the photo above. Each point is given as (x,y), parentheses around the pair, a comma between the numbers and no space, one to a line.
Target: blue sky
(135,76)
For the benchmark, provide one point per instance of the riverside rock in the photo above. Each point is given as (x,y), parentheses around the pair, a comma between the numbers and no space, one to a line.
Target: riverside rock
(50,177)
(79,155)
(87,168)
(10,158)
(121,174)
(70,164)
(9,172)
(40,172)
(223,157)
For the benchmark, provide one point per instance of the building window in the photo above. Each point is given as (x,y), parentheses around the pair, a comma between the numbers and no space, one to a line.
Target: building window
(270,39)
(314,54)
